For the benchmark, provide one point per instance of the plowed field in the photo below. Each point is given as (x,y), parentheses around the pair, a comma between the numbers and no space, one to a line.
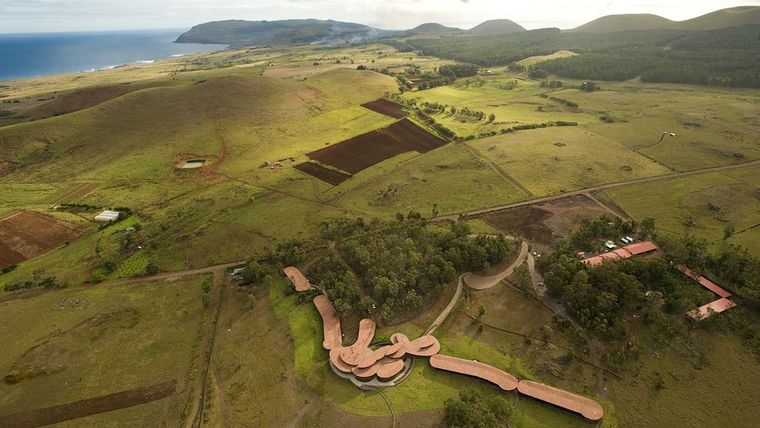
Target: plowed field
(362,152)
(327,175)
(388,108)
(27,234)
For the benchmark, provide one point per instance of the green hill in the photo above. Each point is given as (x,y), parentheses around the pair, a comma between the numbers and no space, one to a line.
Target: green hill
(723,18)
(433,28)
(628,22)
(495,27)
(291,31)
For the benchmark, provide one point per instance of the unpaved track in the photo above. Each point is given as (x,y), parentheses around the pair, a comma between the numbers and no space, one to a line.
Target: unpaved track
(478,282)
(198,404)
(481,281)
(587,190)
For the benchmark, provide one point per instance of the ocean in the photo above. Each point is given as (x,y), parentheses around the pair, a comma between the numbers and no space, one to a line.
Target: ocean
(26,55)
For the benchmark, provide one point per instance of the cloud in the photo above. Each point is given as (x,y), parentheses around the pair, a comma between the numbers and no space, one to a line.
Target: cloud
(67,15)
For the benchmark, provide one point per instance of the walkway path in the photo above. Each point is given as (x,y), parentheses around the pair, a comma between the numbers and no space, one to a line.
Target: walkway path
(481,284)
(481,211)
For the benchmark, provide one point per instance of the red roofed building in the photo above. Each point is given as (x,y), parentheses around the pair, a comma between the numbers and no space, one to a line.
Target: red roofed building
(622,253)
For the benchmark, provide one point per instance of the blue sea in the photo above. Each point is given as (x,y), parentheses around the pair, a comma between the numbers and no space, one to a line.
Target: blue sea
(25,55)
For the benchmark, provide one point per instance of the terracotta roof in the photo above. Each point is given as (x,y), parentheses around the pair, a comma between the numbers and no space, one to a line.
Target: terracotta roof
(622,253)
(351,355)
(297,278)
(330,323)
(704,282)
(641,247)
(384,369)
(587,407)
(502,379)
(714,307)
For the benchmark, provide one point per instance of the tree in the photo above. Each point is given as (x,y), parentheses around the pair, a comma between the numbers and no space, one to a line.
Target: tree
(471,410)
(254,272)
(728,232)
(648,228)
(152,269)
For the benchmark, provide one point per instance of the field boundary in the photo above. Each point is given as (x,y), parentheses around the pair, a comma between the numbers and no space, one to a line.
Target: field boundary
(527,202)
(90,406)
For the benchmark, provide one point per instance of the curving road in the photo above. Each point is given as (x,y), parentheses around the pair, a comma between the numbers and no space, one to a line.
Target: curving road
(534,201)
(477,282)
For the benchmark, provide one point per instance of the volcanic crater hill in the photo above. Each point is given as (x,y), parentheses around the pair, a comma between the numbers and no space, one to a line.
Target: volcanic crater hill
(724,18)
(496,27)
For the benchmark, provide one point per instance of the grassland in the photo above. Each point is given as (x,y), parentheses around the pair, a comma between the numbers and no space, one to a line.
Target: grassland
(100,341)
(712,201)
(550,161)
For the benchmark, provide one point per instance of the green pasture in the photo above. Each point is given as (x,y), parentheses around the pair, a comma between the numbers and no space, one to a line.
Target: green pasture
(99,341)
(712,201)
(554,160)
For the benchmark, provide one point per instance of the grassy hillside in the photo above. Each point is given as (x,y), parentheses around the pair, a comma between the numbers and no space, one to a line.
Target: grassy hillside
(629,22)
(724,18)
(494,27)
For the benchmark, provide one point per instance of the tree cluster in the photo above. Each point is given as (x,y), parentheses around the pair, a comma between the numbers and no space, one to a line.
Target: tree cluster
(723,57)
(398,263)
(470,410)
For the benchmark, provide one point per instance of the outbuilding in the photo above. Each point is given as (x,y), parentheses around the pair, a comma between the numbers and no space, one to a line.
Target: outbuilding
(107,216)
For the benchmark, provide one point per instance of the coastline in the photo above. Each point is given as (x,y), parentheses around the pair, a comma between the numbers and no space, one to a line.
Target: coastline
(43,55)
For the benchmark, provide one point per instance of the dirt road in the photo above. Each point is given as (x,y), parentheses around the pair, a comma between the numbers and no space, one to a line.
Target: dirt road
(587,190)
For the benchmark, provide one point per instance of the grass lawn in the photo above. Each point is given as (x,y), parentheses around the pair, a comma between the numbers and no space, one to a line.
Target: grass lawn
(555,160)
(102,340)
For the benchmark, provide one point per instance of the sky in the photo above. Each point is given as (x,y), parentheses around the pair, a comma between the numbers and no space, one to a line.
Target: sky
(22,16)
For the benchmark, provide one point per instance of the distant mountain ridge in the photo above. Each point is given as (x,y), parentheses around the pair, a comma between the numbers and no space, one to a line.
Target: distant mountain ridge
(291,31)
(724,18)
(314,31)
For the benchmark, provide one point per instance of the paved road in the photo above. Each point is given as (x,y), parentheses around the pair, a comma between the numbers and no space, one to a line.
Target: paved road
(592,189)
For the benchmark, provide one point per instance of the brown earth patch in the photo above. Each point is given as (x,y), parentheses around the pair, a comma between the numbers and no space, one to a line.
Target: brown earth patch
(5,167)
(28,234)
(545,223)
(90,406)
(79,100)
(327,175)
(388,108)
(359,153)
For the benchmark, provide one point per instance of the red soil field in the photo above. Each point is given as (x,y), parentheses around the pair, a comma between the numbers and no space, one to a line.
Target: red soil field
(388,108)
(327,175)
(359,153)
(28,234)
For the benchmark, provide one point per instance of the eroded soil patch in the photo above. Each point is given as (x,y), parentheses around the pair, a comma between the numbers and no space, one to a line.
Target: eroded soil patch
(545,223)
(90,406)
(28,234)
